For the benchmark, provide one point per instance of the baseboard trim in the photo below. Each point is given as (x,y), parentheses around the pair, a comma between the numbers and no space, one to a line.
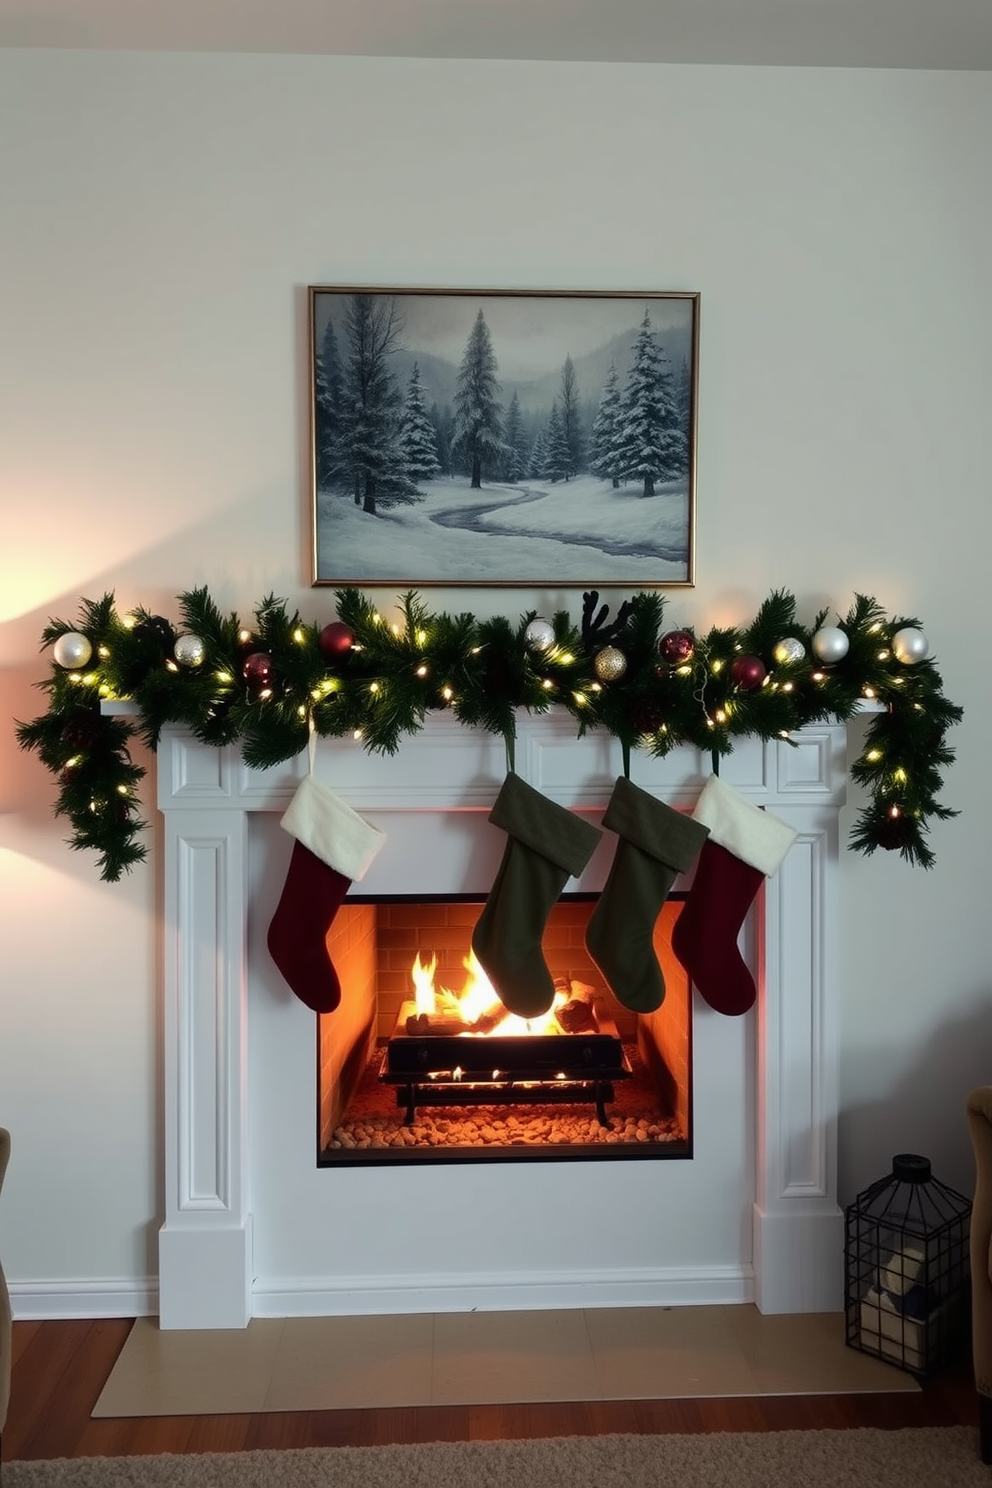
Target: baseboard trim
(276,1297)
(109,1297)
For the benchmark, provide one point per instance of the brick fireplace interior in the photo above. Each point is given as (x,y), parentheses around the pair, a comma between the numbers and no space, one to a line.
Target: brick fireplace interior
(365,1115)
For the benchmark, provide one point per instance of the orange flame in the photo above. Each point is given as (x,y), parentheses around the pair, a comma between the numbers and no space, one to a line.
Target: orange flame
(477,999)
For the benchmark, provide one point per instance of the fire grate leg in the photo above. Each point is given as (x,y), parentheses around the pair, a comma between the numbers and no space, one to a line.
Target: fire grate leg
(411,1105)
(603,1093)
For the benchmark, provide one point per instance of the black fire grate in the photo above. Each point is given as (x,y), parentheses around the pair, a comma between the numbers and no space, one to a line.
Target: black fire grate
(444,1065)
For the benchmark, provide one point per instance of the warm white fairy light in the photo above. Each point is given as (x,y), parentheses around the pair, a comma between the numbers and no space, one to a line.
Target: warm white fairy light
(873,755)
(103,651)
(447,694)
(869,692)
(421,671)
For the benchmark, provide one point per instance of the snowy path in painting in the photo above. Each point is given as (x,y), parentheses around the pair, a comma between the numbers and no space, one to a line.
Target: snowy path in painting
(576,532)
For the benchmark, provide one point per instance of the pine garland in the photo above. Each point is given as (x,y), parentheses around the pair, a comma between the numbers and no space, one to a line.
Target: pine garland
(482,671)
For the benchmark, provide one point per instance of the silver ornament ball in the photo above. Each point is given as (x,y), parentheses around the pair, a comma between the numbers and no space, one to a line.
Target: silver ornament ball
(190,651)
(539,635)
(910,645)
(610,664)
(830,644)
(72,650)
(789,650)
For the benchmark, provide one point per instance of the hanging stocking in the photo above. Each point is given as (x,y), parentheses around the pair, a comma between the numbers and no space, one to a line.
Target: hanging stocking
(656,844)
(334,847)
(546,844)
(745,846)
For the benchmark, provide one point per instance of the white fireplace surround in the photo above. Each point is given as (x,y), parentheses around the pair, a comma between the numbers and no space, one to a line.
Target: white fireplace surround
(254,1228)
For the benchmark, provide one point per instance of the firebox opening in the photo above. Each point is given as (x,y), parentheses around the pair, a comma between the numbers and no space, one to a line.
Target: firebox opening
(464,1083)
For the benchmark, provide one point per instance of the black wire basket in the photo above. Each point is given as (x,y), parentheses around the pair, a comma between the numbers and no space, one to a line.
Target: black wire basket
(907,1273)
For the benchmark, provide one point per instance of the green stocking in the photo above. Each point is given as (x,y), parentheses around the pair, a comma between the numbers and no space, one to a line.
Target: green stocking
(656,845)
(546,844)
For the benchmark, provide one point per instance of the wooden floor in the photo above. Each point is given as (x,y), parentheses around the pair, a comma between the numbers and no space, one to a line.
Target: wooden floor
(60,1369)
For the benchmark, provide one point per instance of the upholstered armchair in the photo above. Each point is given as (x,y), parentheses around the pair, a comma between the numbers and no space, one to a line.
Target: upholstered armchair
(980,1126)
(5,1315)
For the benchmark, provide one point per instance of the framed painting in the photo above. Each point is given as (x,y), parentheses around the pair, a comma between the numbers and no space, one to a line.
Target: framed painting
(474,437)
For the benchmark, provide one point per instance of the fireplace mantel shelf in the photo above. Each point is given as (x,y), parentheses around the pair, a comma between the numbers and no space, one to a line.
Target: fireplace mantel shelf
(432,800)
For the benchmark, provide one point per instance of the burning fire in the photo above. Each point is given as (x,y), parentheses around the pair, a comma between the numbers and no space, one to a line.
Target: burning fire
(477,1006)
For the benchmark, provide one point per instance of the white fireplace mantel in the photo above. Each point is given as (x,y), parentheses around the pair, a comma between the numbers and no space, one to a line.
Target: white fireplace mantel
(764,1205)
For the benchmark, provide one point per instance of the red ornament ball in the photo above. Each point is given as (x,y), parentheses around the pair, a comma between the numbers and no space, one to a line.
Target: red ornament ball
(258,669)
(747,672)
(677,647)
(336,639)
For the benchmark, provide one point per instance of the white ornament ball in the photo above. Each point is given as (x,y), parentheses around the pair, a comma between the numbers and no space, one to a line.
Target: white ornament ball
(539,635)
(190,651)
(789,650)
(910,645)
(830,644)
(610,664)
(72,650)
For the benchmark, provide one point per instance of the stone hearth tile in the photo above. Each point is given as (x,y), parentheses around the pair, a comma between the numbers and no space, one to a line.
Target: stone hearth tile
(499,1357)
(805,1353)
(662,1353)
(189,1372)
(334,1363)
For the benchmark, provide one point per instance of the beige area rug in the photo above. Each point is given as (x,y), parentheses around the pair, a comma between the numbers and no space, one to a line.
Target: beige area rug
(933,1457)
(488,1358)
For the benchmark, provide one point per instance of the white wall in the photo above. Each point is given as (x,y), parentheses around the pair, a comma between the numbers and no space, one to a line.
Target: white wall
(162,216)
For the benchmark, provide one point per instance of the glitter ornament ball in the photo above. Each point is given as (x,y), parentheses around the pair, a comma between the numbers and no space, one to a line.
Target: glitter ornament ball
(190,651)
(830,644)
(747,672)
(258,669)
(539,635)
(610,664)
(789,650)
(910,645)
(72,650)
(676,647)
(336,640)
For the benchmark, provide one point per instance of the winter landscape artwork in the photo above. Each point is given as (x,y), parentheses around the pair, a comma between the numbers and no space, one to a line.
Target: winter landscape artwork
(479,437)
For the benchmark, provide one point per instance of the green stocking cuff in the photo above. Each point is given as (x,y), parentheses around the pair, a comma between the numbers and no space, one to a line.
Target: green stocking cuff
(544,826)
(664,834)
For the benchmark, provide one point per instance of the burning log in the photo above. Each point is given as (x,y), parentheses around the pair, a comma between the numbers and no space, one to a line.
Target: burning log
(420,1025)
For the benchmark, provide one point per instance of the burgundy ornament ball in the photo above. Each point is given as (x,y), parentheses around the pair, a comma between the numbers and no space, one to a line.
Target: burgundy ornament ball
(677,647)
(258,669)
(336,640)
(893,833)
(747,672)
